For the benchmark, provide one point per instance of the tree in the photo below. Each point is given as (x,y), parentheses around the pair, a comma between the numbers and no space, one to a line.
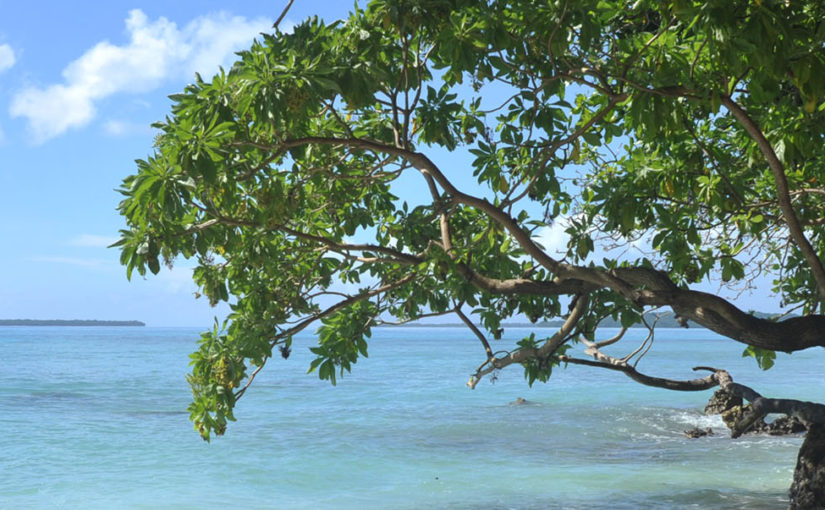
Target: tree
(698,125)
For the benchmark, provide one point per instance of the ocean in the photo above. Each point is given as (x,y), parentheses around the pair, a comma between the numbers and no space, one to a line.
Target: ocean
(95,418)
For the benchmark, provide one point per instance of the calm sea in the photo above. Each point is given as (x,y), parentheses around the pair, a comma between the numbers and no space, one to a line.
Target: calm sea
(96,418)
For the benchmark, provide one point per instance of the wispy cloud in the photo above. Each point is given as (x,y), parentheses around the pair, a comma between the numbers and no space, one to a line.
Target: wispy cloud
(92,240)
(7,58)
(157,51)
(115,127)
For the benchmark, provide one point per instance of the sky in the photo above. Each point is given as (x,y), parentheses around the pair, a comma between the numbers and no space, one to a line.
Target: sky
(80,86)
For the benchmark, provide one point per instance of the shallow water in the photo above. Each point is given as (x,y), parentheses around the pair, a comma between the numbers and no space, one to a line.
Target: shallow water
(96,418)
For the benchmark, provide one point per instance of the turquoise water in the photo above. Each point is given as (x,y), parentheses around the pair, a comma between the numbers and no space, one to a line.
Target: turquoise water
(95,418)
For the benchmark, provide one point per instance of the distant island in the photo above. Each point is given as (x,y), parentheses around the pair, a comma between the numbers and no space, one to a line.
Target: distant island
(34,322)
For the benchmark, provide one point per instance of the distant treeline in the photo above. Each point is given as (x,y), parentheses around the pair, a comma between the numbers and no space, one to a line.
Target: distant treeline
(662,320)
(33,322)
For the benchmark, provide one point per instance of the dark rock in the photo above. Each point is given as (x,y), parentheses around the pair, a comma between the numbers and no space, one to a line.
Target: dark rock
(779,427)
(697,432)
(734,415)
(785,425)
(721,401)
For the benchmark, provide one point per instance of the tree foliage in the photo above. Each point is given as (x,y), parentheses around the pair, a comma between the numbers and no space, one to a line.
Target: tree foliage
(402,163)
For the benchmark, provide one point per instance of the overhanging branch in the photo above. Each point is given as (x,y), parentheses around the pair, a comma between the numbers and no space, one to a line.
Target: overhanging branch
(645,287)
(700,384)
(782,191)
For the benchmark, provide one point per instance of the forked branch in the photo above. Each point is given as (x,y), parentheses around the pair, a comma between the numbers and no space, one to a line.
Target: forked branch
(547,349)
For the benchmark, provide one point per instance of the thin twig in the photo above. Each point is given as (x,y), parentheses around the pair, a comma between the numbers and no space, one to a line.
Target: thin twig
(283,14)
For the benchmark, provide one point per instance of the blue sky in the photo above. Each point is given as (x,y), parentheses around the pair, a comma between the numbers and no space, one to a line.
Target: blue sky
(79,87)
(80,83)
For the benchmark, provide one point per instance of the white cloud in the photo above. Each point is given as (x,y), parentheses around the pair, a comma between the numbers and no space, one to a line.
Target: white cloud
(53,110)
(93,241)
(157,51)
(115,127)
(553,238)
(7,58)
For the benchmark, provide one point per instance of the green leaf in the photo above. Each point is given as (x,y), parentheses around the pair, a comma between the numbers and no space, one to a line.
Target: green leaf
(764,358)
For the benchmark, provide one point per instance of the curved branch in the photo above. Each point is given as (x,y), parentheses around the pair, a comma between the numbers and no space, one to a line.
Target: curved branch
(782,191)
(466,320)
(644,287)
(426,166)
(521,236)
(701,384)
(613,340)
(809,413)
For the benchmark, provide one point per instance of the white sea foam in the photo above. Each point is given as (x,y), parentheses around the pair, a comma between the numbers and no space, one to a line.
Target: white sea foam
(697,419)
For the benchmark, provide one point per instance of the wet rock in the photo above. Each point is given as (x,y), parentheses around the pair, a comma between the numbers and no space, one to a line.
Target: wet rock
(779,427)
(697,432)
(785,425)
(721,401)
(734,415)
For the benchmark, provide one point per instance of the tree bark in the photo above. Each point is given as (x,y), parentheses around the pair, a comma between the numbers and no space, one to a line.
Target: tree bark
(808,489)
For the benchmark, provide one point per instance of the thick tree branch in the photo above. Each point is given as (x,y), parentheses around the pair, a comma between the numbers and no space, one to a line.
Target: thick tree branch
(645,287)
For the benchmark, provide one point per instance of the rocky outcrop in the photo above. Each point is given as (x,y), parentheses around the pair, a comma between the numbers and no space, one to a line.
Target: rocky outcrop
(721,401)
(785,425)
(731,408)
(808,489)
